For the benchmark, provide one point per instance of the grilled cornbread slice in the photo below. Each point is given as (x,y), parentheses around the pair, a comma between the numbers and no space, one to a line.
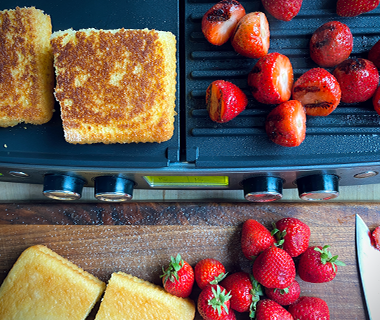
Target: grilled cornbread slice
(128,297)
(45,286)
(115,86)
(26,67)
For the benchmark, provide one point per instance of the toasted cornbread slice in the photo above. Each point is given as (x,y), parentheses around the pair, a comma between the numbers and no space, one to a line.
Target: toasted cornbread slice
(115,86)
(130,298)
(45,286)
(26,67)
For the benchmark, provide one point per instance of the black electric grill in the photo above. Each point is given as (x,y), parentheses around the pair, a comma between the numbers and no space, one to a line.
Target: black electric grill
(346,144)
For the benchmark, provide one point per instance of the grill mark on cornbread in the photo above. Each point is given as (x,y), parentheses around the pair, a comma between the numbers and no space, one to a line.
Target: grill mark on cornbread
(140,48)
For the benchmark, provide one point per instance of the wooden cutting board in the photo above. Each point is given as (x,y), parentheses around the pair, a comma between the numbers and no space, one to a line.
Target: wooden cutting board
(139,238)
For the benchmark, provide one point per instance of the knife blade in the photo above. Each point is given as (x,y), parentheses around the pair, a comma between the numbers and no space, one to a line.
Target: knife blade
(369,268)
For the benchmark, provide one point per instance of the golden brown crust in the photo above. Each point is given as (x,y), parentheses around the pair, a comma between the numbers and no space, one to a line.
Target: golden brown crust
(128,297)
(43,285)
(26,71)
(115,86)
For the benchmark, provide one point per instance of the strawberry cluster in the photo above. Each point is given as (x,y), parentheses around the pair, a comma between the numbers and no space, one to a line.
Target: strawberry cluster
(317,92)
(270,290)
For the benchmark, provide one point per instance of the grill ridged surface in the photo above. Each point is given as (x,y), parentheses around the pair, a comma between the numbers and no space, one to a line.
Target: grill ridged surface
(350,134)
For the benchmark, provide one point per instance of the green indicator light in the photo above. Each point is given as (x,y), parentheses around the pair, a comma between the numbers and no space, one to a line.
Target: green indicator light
(187,181)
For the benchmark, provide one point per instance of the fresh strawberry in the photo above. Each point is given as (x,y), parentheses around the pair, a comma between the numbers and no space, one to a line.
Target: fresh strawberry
(286,124)
(376,100)
(317,265)
(376,236)
(209,271)
(271,79)
(331,44)
(293,235)
(284,10)
(274,268)
(285,296)
(269,310)
(219,22)
(255,238)
(178,277)
(352,8)
(231,315)
(214,303)
(318,91)
(245,292)
(224,101)
(251,35)
(374,54)
(309,308)
(358,79)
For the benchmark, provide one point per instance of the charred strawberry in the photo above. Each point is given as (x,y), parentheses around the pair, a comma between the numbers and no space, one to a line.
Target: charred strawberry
(251,35)
(255,238)
(374,54)
(178,277)
(376,100)
(286,124)
(352,8)
(285,296)
(214,303)
(219,22)
(310,308)
(317,265)
(358,79)
(245,292)
(293,235)
(224,101)
(284,10)
(209,271)
(331,44)
(268,309)
(271,79)
(318,91)
(274,268)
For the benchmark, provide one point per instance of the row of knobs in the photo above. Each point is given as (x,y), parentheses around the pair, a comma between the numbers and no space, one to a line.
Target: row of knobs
(256,189)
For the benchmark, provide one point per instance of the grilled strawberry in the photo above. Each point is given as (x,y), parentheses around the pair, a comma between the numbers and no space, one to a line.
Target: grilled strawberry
(251,35)
(284,10)
(310,308)
(271,79)
(214,302)
(293,235)
(376,100)
(286,124)
(352,8)
(375,235)
(245,292)
(219,22)
(178,277)
(358,79)
(318,91)
(331,44)
(209,271)
(374,54)
(269,310)
(317,265)
(285,296)
(255,238)
(274,268)
(224,101)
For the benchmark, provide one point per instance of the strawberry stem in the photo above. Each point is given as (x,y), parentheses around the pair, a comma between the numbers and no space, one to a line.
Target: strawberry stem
(171,272)
(256,292)
(326,256)
(219,300)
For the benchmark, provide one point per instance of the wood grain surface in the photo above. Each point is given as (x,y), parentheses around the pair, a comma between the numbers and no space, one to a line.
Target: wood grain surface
(139,238)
